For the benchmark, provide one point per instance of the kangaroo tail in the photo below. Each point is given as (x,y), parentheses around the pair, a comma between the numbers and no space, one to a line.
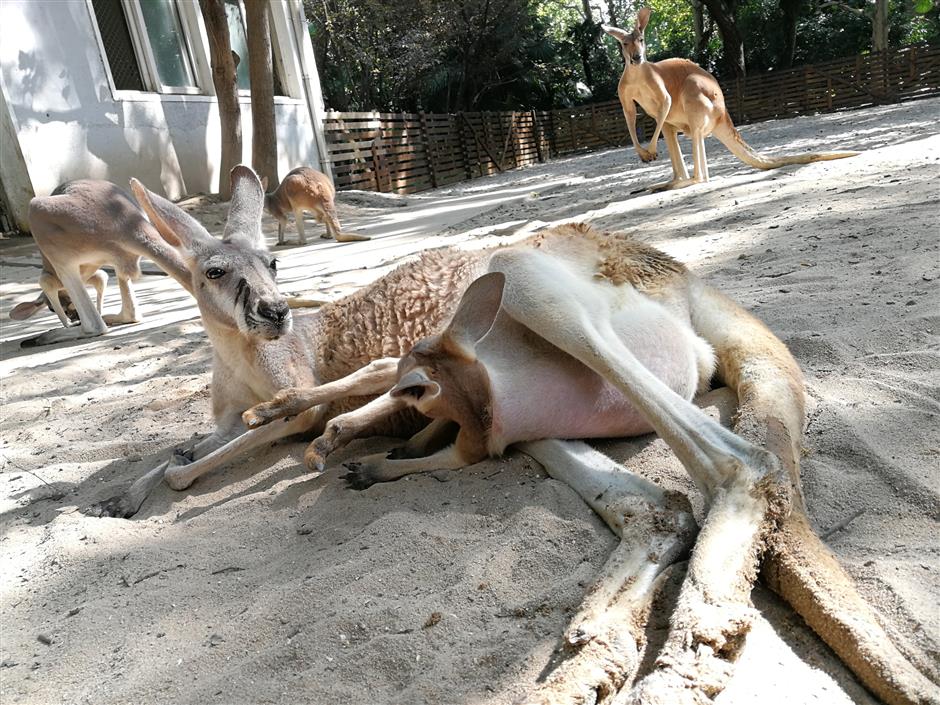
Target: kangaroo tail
(26,309)
(797,565)
(728,135)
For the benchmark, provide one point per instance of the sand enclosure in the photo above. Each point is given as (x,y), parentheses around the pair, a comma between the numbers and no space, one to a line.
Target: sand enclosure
(263,584)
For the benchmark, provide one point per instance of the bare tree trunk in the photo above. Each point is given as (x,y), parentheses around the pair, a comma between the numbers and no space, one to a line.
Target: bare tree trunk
(261,72)
(879,26)
(698,29)
(226,89)
(731,39)
(612,11)
(791,13)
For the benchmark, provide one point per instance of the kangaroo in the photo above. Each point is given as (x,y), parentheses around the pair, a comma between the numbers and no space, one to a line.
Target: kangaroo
(580,334)
(81,226)
(260,345)
(683,97)
(306,189)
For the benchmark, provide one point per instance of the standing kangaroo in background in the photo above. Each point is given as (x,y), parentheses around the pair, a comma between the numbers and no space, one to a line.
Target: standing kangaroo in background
(80,227)
(579,334)
(306,189)
(683,97)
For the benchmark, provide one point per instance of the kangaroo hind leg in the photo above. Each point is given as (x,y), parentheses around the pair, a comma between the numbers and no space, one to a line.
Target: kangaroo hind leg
(742,482)
(603,640)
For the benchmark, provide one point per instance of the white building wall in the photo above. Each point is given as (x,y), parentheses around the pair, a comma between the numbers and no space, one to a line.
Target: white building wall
(71,122)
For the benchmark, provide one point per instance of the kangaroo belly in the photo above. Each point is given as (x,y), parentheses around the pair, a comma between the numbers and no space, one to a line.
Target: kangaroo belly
(541,392)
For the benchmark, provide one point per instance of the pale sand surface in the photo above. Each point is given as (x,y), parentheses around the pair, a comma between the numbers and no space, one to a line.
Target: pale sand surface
(262,584)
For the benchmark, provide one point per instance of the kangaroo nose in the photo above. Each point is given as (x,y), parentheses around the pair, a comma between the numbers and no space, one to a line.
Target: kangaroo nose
(276,312)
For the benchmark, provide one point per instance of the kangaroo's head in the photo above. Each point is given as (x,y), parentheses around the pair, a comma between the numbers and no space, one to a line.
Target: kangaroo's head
(632,44)
(441,376)
(272,202)
(233,279)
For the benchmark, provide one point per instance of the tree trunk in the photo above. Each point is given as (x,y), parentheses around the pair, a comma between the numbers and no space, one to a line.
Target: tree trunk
(698,30)
(791,13)
(731,39)
(226,89)
(261,73)
(879,26)
(612,12)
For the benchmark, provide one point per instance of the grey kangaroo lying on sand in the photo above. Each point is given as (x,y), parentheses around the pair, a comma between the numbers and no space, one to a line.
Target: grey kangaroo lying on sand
(80,227)
(579,334)
(351,348)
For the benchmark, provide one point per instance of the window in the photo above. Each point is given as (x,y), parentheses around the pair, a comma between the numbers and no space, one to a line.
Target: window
(239,42)
(164,35)
(118,47)
(146,45)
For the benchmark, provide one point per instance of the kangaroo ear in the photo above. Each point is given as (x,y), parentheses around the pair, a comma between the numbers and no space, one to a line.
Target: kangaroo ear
(476,311)
(264,183)
(619,34)
(643,18)
(26,309)
(417,385)
(175,225)
(243,227)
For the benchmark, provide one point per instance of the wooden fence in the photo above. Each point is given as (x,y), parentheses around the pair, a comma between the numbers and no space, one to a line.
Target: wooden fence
(409,152)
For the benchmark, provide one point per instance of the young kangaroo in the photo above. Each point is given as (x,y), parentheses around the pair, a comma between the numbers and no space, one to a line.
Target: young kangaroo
(306,189)
(80,227)
(683,97)
(578,334)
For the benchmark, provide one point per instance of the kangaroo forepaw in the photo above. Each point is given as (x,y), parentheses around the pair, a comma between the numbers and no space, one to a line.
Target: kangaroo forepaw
(359,476)
(118,507)
(287,402)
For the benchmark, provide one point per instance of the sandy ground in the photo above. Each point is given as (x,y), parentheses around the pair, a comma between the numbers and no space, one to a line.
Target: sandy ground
(266,585)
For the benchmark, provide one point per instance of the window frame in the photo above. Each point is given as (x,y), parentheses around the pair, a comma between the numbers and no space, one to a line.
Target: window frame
(143,53)
(147,59)
(196,40)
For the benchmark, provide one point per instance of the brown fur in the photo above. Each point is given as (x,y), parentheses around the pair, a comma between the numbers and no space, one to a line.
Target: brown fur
(306,189)
(683,97)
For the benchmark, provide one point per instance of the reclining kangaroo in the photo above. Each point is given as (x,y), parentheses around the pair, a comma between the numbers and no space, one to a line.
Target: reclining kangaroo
(578,334)
(683,97)
(306,189)
(351,348)
(80,227)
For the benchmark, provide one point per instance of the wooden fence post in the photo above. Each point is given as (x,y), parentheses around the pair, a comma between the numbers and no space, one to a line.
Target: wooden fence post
(428,149)
(552,139)
(468,165)
(537,132)
(378,158)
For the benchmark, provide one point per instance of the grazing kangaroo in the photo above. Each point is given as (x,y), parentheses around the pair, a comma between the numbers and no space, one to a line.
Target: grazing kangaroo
(80,227)
(683,97)
(306,189)
(579,334)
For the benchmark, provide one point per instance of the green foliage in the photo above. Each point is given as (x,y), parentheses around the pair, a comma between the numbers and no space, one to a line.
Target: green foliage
(452,55)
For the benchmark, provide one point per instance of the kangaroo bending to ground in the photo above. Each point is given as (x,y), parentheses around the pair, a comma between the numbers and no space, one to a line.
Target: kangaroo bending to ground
(578,334)
(80,227)
(683,97)
(306,189)
(351,348)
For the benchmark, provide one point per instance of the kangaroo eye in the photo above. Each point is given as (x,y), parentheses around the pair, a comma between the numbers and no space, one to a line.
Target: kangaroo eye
(273,265)
(215,273)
